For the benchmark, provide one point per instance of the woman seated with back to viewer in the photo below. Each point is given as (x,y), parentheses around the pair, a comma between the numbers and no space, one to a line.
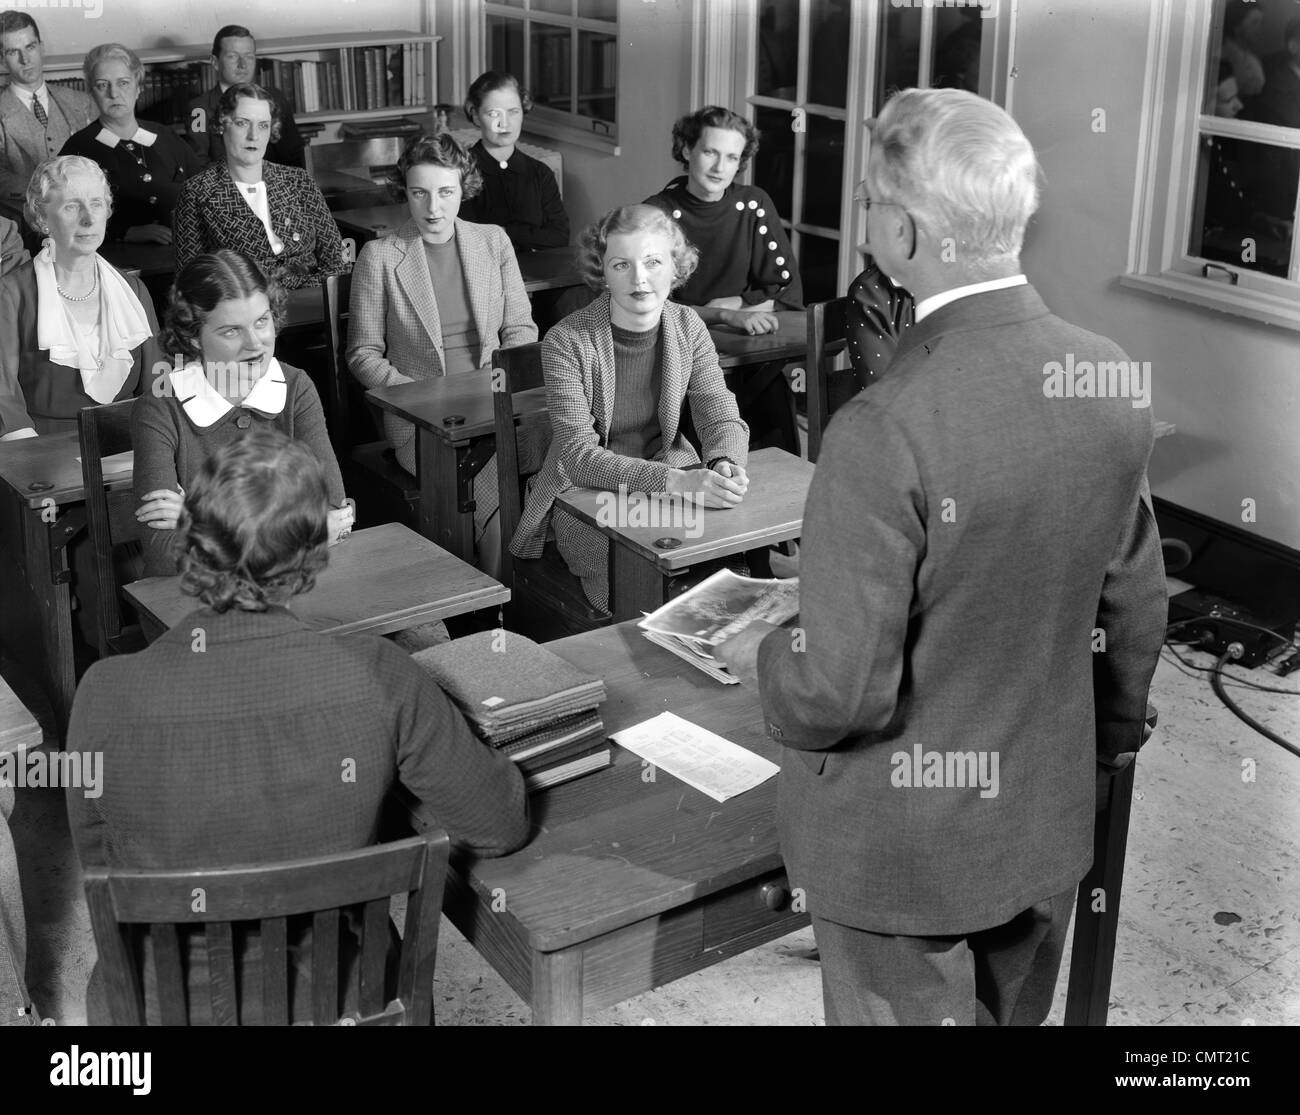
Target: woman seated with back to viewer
(438,297)
(74,331)
(276,215)
(617,375)
(221,324)
(145,166)
(232,756)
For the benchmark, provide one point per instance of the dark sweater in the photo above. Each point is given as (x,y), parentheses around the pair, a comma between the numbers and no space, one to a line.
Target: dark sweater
(273,743)
(634,424)
(523,198)
(170,448)
(743,248)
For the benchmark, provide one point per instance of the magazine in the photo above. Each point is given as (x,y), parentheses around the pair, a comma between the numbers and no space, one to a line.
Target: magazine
(724,605)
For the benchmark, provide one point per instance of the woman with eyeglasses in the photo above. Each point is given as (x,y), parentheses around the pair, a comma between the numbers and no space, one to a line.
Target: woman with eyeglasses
(519,193)
(146,167)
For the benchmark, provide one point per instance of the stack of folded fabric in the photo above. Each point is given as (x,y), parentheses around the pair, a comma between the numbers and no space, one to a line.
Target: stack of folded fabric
(526,701)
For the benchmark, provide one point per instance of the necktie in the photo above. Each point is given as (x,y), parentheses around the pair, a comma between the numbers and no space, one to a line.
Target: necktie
(39,109)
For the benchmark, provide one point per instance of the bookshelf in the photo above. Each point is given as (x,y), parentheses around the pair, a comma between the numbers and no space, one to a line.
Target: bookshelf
(330,80)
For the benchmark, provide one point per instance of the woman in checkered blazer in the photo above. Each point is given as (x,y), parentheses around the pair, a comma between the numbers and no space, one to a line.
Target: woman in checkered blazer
(617,373)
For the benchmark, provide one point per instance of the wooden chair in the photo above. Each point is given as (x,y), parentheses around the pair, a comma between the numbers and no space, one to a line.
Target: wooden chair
(544,595)
(385,492)
(125,904)
(104,431)
(825,386)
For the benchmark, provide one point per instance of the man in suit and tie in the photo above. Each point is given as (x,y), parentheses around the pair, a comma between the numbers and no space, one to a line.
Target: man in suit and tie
(36,119)
(234,58)
(982,604)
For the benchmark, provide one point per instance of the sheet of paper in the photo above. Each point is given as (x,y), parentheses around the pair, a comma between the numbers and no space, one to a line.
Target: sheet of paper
(116,463)
(711,764)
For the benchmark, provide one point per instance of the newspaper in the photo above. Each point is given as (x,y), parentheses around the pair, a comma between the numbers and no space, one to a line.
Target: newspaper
(724,605)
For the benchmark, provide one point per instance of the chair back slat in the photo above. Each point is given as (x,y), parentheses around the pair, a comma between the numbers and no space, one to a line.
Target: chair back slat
(827,331)
(123,902)
(325,967)
(374,956)
(520,369)
(275,973)
(221,974)
(104,431)
(336,292)
(169,975)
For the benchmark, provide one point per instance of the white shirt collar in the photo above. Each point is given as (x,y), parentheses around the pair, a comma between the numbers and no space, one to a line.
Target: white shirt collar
(927,306)
(26,98)
(205,406)
(112,139)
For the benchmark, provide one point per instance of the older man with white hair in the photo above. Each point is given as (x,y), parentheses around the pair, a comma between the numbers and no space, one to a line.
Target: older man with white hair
(982,606)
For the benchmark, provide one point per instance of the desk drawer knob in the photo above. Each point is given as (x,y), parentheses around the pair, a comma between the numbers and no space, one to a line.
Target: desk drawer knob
(775,896)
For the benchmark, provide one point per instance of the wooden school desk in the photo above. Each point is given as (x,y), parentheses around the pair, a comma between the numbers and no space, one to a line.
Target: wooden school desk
(378,580)
(630,884)
(42,510)
(641,567)
(454,439)
(741,350)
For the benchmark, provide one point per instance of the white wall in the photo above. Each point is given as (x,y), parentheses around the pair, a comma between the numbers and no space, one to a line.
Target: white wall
(161,23)
(1230,385)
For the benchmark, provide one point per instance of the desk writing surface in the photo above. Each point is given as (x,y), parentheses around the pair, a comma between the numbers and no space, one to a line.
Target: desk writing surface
(18,727)
(772,511)
(380,579)
(737,349)
(612,848)
(549,269)
(428,401)
(50,459)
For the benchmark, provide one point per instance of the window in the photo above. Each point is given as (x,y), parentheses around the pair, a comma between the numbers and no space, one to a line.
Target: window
(1217,201)
(819,69)
(565,52)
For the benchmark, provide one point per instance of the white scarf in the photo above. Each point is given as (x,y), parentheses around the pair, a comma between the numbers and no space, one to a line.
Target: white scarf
(123,326)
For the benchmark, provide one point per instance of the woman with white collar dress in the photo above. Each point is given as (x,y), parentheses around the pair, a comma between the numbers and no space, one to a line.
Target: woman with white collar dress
(74,331)
(145,166)
(221,324)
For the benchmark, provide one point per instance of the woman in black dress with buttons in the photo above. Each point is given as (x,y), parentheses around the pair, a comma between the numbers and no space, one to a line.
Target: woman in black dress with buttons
(146,167)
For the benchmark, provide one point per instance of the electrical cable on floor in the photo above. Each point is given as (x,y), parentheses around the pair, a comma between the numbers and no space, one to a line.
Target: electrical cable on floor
(1234,651)
(1236,679)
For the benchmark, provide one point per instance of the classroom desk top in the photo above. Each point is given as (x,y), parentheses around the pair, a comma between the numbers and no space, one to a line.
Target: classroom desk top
(47,467)
(18,727)
(612,849)
(428,402)
(381,579)
(737,349)
(772,511)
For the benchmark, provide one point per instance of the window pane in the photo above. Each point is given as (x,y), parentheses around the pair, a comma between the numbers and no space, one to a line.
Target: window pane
(505,45)
(551,48)
(774,163)
(598,9)
(778,49)
(597,73)
(557,7)
(958,34)
(1251,73)
(823,155)
(900,52)
(828,77)
(819,260)
(1245,204)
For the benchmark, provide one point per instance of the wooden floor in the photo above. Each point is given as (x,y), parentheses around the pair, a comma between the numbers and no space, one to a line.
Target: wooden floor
(1209,922)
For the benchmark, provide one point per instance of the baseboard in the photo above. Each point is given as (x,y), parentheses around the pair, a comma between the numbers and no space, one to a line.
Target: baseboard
(1225,560)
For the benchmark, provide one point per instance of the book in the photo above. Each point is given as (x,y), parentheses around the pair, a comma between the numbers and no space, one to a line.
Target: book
(565,737)
(566,772)
(724,605)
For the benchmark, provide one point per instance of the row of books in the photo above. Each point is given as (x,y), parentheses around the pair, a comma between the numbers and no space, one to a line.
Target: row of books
(357,79)
(526,702)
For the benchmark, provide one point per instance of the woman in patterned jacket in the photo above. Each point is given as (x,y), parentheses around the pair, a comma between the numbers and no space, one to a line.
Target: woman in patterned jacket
(617,374)
(275,215)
